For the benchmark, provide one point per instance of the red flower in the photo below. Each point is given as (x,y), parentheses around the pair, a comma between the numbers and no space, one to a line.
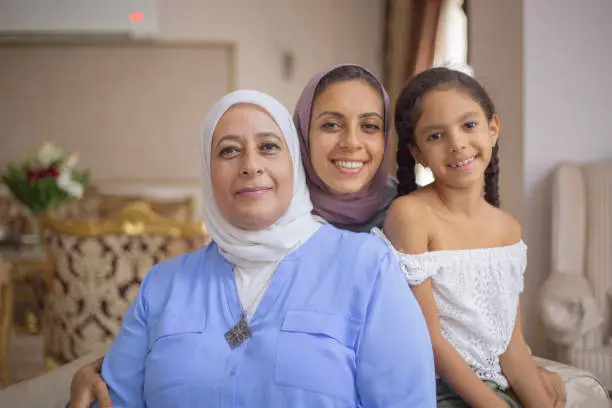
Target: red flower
(31,175)
(53,171)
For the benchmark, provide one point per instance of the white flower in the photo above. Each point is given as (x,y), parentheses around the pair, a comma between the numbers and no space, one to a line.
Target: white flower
(71,161)
(66,183)
(48,154)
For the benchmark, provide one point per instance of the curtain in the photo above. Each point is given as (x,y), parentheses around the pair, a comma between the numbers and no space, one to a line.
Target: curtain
(410,43)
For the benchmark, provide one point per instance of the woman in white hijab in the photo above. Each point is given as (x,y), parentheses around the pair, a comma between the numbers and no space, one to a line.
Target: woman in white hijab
(280,310)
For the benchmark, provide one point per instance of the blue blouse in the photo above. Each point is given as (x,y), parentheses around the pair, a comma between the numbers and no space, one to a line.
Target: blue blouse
(337,327)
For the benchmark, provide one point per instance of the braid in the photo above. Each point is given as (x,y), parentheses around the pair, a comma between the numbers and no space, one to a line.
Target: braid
(405,168)
(491,188)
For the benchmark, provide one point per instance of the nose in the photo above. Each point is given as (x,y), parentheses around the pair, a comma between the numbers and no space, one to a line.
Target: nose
(349,139)
(458,142)
(251,165)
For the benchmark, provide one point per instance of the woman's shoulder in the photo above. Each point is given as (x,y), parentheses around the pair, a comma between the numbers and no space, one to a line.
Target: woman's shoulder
(162,276)
(342,242)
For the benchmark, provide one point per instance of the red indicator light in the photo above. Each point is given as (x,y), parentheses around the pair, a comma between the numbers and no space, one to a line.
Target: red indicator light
(136,17)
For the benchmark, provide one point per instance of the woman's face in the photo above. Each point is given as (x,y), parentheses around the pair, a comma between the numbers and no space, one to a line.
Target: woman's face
(347,141)
(251,169)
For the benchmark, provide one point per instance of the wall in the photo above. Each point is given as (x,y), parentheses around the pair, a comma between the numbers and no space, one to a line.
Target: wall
(318,32)
(545,63)
(496,54)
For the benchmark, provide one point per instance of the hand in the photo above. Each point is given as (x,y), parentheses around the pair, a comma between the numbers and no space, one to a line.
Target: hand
(88,386)
(554,386)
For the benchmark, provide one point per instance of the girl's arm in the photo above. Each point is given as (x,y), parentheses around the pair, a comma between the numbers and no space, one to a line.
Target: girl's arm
(406,228)
(449,363)
(521,371)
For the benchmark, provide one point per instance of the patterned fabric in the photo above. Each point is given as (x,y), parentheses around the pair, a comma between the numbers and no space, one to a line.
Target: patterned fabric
(13,218)
(477,294)
(583,389)
(95,280)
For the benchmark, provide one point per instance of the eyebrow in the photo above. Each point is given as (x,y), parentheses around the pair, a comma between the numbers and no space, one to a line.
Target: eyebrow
(460,119)
(259,135)
(340,115)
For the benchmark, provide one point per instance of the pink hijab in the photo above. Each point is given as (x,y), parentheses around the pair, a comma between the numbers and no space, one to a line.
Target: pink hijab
(355,208)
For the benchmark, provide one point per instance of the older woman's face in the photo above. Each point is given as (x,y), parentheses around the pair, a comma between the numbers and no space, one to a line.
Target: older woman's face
(251,170)
(347,141)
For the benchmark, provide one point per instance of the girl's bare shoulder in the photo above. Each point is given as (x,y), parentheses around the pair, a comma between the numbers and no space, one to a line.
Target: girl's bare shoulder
(411,207)
(509,227)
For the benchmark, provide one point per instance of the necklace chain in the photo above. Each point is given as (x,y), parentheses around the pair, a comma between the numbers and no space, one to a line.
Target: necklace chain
(245,310)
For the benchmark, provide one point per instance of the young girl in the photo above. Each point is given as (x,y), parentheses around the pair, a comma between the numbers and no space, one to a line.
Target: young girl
(463,256)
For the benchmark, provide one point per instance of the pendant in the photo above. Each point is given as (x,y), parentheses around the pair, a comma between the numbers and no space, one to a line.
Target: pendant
(239,333)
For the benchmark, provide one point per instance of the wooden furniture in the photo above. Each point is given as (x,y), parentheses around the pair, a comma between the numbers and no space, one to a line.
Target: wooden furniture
(6,320)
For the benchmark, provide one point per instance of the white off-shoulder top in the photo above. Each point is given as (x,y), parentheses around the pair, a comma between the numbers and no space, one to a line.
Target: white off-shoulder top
(477,295)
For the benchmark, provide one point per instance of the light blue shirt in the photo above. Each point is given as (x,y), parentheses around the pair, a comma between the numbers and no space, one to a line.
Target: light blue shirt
(337,327)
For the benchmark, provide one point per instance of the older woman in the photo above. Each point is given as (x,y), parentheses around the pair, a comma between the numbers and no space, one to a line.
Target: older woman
(280,310)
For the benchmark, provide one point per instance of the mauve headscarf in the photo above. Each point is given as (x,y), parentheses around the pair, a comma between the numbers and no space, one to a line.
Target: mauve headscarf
(349,209)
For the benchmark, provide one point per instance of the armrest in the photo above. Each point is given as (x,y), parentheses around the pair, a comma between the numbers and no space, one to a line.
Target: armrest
(582,387)
(568,308)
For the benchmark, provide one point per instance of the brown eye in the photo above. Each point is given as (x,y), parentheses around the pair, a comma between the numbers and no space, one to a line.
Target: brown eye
(229,151)
(470,125)
(434,136)
(270,147)
(330,126)
(370,128)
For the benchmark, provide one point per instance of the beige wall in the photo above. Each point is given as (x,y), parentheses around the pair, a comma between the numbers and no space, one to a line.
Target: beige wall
(319,33)
(496,54)
(545,63)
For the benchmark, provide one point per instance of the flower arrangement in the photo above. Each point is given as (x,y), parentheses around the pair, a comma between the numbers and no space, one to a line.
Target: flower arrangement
(44,181)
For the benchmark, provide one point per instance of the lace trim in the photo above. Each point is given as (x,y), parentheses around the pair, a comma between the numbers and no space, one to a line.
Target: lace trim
(418,267)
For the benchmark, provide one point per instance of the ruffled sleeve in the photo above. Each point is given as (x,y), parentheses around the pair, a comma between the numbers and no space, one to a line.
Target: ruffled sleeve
(416,267)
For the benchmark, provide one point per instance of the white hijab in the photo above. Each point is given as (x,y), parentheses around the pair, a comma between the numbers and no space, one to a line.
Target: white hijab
(245,248)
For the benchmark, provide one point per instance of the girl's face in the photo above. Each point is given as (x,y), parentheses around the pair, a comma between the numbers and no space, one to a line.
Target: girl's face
(454,138)
(347,140)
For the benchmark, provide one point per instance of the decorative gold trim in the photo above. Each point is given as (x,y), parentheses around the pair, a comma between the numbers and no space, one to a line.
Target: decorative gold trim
(137,218)
(100,188)
(189,200)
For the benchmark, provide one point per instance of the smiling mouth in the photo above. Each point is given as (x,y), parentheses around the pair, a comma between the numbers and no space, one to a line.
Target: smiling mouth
(461,164)
(349,166)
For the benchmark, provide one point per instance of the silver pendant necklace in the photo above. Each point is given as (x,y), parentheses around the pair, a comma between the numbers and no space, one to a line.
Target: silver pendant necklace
(241,331)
